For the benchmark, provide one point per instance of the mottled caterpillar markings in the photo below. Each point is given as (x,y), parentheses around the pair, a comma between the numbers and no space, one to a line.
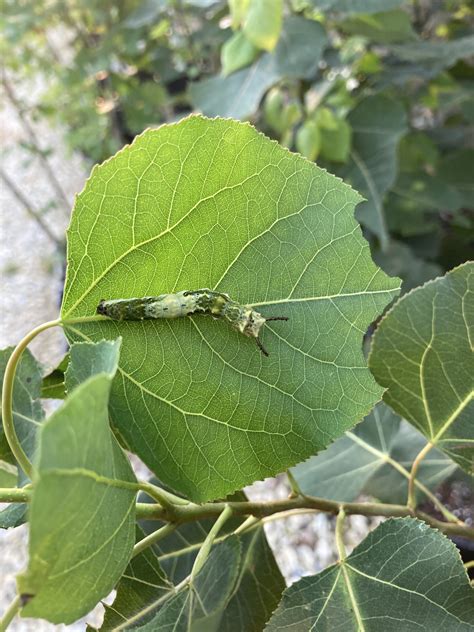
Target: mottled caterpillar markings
(241,317)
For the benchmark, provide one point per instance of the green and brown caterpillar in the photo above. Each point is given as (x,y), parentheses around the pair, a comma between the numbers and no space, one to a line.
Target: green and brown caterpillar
(218,305)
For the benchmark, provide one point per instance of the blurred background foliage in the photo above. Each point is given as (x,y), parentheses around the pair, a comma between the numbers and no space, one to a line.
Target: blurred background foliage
(379,92)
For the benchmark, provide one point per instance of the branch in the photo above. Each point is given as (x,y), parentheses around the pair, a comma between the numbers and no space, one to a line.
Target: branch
(191,512)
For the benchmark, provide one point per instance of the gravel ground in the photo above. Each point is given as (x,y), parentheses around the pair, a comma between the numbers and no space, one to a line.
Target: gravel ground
(31,273)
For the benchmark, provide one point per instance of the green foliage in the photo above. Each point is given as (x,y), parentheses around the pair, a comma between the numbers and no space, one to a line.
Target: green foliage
(422,354)
(379,92)
(74,562)
(374,458)
(373,590)
(293,204)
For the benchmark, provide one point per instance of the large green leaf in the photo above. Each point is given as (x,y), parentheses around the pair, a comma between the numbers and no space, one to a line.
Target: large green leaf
(82,515)
(422,352)
(374,458)
(390,582)
(297,54)
(457,169)
(213,203)
(377,123)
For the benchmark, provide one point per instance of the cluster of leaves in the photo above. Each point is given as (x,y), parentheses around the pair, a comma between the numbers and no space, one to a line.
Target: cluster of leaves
(379,92)
(215,203)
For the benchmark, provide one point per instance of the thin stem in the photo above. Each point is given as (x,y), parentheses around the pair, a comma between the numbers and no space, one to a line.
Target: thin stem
(165,498)
(152,538)
(7,397)
(14,495)
(469,564)
(295,488)
(411,502)
(341,516)
(209,541)
(10,613)
(193,512)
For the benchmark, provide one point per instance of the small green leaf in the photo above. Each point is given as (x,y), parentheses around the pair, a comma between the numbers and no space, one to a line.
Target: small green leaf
(375,458)
(142,583)
(336,142)
(377,123)
(198,602)
(390,582)
(8,474)
(382,28)
(237,95)
(422,353)
(221,206)
(308,140)
(53,384)
(82,515)
(263,22)
(237,53)
(259,584)
(28,413)
(13,516)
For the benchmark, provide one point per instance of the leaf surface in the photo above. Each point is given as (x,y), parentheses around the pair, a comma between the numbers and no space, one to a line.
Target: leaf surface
(82,515)
(374,458)
(212,203)
(377,124)
(422,352)
(390,582)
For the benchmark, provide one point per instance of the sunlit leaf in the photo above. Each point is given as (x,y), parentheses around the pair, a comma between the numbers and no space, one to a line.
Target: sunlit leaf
(262,22)
(213,203)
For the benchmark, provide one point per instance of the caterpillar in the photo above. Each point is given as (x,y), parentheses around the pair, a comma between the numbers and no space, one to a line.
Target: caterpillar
(217,304)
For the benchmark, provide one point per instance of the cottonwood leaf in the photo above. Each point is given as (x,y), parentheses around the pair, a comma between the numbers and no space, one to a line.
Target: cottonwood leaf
(82,514)
(199,602)
(377,124)
(259,584)
(422,352)
(374,458)
(390,582)
(438,55)
(213,203)
(142,582)
(28,413)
